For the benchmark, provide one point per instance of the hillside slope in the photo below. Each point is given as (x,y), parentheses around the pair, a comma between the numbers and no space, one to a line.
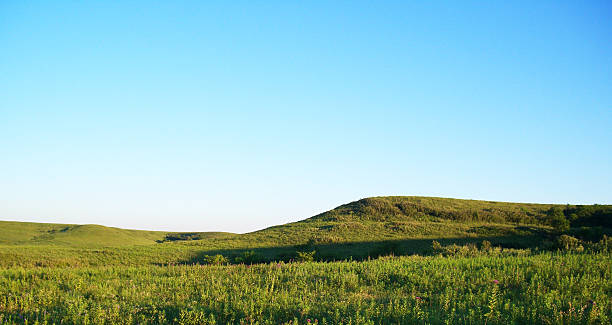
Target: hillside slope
(415,208)
(419,217)
(364,228)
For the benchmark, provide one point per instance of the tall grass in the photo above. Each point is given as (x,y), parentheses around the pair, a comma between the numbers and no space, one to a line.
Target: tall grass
(546,288)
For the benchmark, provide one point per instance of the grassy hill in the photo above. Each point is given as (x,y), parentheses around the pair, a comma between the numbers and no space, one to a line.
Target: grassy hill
(365,228)
(485,262)
(31,233)
(414,208)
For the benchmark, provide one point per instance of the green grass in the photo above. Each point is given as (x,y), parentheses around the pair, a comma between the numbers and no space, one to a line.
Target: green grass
(548,288)
(361,229)
(331,240)
(434,208)
(30,233)
(492,262)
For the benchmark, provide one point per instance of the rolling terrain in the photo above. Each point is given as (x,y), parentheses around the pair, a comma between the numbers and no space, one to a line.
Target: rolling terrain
(362,229)
(396,260)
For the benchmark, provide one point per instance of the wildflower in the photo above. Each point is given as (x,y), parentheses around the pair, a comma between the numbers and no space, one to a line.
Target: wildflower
(495,281)
(592,302)
(418,298)
(308,320)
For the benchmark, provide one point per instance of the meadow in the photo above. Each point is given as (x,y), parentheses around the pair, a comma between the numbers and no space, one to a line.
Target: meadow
(390,260)
(545,288)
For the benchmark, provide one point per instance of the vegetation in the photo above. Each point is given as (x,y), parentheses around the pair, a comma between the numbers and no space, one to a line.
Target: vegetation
(557,219)
(89,236)
(547,288)
(376,260)
(359,230)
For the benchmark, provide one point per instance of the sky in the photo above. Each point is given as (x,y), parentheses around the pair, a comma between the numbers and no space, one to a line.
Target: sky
(236,116)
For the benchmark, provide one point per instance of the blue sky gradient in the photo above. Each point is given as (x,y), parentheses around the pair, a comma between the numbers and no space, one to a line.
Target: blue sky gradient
(216,116)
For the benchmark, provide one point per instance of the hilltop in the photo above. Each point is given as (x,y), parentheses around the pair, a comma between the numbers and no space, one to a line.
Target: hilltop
(415,208)
(360,229)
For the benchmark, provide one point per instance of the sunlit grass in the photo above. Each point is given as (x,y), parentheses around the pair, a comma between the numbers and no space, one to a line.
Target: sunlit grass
(540,289)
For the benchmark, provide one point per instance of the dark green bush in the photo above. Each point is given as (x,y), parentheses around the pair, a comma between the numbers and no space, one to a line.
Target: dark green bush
(557,219)
(569,243)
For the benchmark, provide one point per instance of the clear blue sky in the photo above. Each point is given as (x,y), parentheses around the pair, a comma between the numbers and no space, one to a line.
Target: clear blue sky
(217,116)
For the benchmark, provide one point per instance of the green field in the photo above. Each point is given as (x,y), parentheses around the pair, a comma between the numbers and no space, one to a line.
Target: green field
(397,260)
(545,288)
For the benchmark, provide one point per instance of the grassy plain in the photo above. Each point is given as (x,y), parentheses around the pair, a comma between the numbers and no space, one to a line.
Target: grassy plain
(496,263)
(361,229)
(547,288)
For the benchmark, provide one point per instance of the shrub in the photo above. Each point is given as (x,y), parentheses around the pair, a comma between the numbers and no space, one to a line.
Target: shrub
(436,246)
(215,259)
(305,256)
(485,246)
(557,219)
(569,243)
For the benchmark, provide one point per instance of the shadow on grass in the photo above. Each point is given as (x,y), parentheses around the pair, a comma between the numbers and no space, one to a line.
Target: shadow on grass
(363,250)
